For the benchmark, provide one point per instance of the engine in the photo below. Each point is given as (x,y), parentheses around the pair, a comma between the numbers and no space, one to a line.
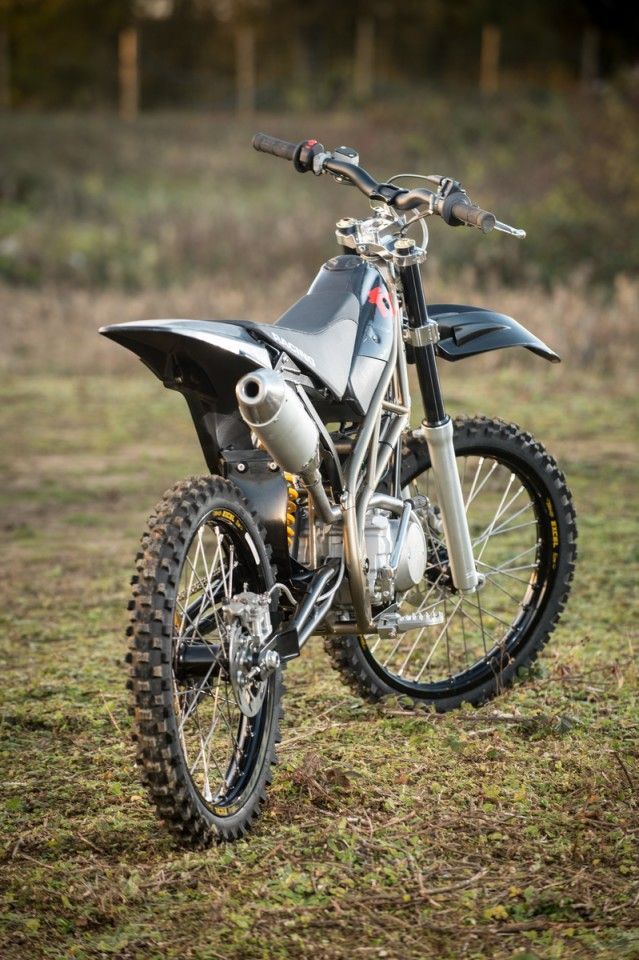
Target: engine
(277,416)
(380,536)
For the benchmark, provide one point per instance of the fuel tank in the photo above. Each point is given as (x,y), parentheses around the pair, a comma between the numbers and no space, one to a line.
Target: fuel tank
(341,332)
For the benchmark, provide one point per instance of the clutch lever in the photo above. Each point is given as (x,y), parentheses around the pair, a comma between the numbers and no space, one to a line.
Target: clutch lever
(513,231)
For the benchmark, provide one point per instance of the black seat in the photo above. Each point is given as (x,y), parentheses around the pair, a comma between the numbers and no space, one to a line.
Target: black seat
(319,331)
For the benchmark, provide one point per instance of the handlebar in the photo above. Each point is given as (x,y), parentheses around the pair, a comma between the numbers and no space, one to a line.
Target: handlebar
(454,207)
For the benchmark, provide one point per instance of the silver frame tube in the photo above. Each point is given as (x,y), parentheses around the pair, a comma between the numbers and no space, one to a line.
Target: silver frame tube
(358,492)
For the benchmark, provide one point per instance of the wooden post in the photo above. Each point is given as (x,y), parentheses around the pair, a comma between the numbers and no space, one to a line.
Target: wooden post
(589,56)
(489,59)
(364,58)
(128,73)
(298,96)
(245,69)
(5,71)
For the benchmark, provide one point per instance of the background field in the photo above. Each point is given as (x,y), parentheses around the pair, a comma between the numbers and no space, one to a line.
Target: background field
(506,832)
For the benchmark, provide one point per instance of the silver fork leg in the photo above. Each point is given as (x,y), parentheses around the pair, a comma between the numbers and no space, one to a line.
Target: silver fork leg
(451,502)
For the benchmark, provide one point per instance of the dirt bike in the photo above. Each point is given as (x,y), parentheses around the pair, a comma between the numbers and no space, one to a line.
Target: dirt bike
(434,562)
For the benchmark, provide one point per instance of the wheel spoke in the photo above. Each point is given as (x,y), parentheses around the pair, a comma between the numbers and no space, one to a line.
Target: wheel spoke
(498,572)
(502,517)
(485,610)
(217,561)
(497,516)
(509,595)
(437,641)
(505,529)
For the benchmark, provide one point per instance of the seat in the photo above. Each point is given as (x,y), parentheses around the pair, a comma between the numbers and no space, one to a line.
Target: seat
(319,331)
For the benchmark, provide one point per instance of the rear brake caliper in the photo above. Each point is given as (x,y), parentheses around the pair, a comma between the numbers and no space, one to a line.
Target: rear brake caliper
(248,619)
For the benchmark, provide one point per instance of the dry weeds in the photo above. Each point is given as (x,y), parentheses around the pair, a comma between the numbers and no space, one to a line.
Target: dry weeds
(55,329)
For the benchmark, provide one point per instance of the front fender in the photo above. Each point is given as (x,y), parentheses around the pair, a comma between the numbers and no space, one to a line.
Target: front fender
(466,331)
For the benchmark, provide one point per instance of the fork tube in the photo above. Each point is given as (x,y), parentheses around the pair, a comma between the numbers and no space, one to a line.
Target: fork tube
(424,356)
(438,430)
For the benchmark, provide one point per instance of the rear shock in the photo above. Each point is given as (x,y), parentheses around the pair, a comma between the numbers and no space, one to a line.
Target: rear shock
(291,508)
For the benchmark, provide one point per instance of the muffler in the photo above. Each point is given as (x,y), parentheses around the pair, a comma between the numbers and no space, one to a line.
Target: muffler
(278,418)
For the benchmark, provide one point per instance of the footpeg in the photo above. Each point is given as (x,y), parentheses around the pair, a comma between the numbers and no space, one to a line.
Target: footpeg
(393,624)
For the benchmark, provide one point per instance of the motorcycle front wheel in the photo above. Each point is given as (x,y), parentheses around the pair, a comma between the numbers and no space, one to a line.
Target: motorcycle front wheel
(523,530)
(205,762)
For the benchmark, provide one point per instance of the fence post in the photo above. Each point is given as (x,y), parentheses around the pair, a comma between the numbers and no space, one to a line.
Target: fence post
(5,71)
(589,56)
(245,69)
(129,73)
(364,58)
(489,59)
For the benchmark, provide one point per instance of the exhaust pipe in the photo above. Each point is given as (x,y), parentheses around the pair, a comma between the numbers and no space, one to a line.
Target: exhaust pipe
(277,416)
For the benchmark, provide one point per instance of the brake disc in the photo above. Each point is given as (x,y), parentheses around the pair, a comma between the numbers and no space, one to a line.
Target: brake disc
(249,688)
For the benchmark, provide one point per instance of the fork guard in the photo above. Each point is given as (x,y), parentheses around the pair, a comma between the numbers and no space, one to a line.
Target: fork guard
(466,331)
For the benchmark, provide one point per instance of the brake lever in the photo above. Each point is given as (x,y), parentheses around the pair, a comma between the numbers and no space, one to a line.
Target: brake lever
(513,231)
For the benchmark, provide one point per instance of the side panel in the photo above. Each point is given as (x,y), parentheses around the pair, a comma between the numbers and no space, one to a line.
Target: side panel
(267,492)
(374,339)
(467,331)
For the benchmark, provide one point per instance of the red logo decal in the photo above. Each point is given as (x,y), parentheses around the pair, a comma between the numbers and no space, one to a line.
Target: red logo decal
(378,297)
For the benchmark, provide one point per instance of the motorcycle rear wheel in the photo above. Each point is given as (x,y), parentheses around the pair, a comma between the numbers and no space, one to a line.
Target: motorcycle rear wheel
(206,764)
(523,528)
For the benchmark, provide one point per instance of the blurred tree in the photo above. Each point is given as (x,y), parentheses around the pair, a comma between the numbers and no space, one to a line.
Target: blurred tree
(64,52)
(617,25)
(276,53)
(5,69)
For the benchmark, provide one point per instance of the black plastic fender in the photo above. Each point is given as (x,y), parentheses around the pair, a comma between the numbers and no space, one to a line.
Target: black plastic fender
(203,360)
(467,331)
(205,357)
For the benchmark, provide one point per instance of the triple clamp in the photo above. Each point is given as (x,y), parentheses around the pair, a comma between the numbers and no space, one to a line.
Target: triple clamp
(422,336)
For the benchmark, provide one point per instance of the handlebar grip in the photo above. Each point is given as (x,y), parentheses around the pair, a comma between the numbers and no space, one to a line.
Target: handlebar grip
(277,148)
(457,211)
(474,216)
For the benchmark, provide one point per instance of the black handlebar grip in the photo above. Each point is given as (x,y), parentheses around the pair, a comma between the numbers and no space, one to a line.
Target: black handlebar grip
(457,209)
(474,216)
(277,148)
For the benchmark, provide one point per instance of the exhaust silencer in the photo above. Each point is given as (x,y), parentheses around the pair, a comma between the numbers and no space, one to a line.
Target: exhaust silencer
(277,416)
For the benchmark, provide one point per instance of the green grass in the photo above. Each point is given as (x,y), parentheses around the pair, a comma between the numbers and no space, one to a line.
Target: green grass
(510,831)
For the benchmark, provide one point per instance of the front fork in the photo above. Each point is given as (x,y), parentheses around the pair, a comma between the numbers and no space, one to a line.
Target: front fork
(437,428)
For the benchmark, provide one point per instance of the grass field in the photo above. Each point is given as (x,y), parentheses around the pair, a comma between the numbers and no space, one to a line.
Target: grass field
(510,831)
(507,832)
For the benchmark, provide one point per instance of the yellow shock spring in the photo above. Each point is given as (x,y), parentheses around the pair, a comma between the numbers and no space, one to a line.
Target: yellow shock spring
(291,508)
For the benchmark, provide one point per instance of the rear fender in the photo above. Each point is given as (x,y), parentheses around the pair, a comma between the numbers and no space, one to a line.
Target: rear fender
(203,360)
(467,331)
(206,357)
